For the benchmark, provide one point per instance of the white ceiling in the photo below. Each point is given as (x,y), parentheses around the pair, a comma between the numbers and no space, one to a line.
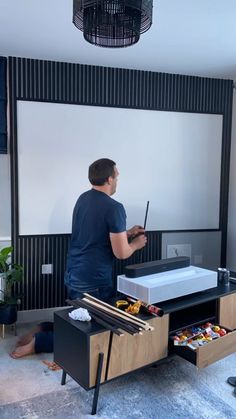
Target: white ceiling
(196,37)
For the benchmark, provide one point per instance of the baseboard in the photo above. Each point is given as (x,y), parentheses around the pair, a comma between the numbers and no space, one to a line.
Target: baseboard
(36,316)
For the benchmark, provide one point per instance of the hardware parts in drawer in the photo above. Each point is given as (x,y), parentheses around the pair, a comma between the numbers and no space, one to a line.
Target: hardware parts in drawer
(204,344)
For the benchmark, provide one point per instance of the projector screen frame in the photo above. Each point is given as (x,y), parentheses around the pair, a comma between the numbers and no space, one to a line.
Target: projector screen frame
(181,132)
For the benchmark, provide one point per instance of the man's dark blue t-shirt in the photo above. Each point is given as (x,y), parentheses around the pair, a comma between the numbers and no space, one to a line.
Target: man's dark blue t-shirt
(90,255)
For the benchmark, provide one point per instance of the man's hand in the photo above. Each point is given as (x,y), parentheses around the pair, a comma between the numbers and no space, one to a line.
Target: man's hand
(139,241)
(135,231)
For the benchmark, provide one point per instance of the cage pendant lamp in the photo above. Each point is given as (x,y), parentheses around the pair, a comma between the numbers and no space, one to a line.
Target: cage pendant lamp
(112,23)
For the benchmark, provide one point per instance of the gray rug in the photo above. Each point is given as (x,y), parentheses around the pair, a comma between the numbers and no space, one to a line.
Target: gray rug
(173,390)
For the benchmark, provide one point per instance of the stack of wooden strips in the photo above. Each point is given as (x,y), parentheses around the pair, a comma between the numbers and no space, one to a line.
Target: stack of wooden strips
(111,317)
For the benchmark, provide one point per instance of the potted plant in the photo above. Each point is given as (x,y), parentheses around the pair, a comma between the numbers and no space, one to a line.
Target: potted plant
(10,274)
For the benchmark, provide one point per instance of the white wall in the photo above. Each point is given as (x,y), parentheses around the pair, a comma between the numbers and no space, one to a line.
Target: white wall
(231,242)
(5,198)
(170,158)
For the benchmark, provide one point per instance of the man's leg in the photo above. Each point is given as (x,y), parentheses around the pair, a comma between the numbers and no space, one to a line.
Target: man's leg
(106,293)
(24,350)
(75,290)
(73,293)
(25,339)
(44,342)
(41,342)
(42,327)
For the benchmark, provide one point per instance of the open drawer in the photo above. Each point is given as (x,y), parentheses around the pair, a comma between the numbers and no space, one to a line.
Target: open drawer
(211,352)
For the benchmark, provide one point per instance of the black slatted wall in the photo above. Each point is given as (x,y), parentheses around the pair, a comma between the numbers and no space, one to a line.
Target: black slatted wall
(39,80)
(3,105)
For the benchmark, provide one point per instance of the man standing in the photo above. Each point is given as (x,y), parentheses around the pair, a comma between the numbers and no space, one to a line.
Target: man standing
(98,234)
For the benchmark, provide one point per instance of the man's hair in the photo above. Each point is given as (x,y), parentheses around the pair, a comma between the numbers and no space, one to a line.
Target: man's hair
(100,171)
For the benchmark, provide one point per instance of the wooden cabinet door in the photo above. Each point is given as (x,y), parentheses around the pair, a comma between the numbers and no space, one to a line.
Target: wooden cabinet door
(227,311)
(132,352)
(98,343)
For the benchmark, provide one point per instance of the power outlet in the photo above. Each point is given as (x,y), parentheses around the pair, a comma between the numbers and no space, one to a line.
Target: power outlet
(175,250)
(47,269)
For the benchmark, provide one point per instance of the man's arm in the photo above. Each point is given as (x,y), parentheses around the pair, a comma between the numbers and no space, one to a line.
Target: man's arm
(120,246)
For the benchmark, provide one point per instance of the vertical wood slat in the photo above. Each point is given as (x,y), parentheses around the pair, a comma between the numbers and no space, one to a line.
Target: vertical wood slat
(42,291)
(37,80)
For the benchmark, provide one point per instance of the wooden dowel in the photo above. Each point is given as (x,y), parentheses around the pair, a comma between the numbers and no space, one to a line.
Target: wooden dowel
(130,328)
(105,317)
(117,315)
(113,315)
(106,325)
(121,315)
(116,310)
(111,307)
(114,321)
(77,304)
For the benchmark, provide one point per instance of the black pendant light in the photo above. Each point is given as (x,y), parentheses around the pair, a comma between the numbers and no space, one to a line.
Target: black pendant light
(112,23)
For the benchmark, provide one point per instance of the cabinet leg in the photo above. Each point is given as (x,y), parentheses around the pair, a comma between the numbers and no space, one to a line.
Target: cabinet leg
(63,378)
(98,381)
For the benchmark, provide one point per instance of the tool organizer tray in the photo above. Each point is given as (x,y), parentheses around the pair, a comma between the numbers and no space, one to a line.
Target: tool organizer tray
(211,352)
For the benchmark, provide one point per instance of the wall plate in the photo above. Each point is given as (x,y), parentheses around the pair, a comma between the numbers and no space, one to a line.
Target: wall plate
(174,250)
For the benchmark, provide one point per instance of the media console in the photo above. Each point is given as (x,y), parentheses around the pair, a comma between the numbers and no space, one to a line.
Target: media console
(92,355)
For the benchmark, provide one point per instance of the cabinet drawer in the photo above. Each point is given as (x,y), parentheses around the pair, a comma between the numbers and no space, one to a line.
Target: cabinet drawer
(209,353)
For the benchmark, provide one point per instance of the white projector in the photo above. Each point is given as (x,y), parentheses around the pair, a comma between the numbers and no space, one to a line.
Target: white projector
(159,287)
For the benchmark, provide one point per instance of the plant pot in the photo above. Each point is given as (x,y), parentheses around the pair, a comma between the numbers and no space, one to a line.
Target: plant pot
(8,313)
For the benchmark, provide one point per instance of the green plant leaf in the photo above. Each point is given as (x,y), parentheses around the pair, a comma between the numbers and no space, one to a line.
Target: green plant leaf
(13,273)
(4,256)
(6,251)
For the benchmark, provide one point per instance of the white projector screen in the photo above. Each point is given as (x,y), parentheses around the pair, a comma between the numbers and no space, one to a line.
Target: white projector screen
(172,159)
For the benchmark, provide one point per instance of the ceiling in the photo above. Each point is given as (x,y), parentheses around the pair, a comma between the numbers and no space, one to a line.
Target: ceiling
(196,37)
